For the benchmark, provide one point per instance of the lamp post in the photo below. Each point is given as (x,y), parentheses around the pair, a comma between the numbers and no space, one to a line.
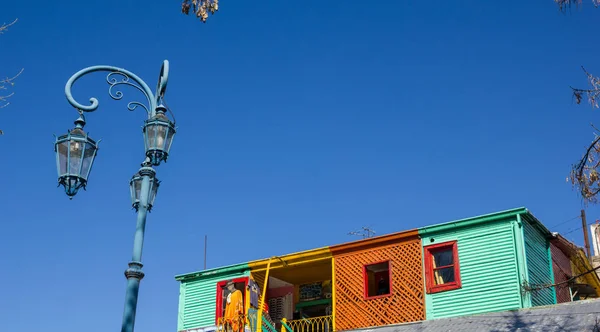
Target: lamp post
(76,151)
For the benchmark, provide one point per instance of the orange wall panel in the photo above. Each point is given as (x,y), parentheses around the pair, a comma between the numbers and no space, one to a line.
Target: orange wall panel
(405,303)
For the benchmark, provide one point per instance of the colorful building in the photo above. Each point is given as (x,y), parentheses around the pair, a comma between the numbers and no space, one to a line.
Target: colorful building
(568,262)
(486,263)
(495,262)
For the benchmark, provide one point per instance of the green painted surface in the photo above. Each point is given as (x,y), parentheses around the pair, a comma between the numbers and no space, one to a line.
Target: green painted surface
(539,265)
(489,268)
(521,260)
(472,221)
(198,295)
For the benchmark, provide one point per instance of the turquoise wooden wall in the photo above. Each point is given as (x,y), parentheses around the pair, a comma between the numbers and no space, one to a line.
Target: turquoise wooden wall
(198,295)
(539,264)
(489,269)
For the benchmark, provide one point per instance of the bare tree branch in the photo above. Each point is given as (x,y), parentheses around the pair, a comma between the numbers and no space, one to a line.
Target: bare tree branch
(5,26)
(563,5)
(200,8)
(7,82)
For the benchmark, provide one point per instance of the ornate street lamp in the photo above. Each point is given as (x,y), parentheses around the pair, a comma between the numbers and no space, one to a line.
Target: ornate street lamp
(136,184)
(158,136)
(76,151)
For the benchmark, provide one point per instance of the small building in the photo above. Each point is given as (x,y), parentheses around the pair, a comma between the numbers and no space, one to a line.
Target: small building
(486,263)
(569,261)
(489,263)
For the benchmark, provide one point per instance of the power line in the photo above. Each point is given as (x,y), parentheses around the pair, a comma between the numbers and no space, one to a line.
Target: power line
(566,221)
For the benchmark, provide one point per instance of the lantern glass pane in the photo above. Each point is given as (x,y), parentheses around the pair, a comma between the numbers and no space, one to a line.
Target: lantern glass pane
(169,139)
(153,191)
(75,154)
(136,189)
(88,160)
(62,155)
(161,134)
(150,136)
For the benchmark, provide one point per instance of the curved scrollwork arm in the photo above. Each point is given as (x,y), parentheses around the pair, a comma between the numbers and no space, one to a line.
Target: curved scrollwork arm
(126,78)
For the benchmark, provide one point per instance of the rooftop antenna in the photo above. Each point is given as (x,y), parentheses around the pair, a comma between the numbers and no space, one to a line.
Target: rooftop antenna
(365,232)
(205,242)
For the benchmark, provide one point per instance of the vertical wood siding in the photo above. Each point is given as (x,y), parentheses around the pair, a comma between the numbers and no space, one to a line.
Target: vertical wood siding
(561,266)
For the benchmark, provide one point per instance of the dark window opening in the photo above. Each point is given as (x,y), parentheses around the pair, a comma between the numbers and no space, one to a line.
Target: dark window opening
(377,279)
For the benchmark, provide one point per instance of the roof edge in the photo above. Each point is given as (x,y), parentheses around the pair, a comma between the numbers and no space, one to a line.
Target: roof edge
(473,220)
(340,249)
(212,272)
(541,227)
(293,258)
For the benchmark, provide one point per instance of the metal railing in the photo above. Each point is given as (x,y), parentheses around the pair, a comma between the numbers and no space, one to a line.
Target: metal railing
(312,324)
(235,324)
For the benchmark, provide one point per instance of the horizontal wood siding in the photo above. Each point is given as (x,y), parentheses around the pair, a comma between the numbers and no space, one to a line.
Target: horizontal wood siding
(538,265)
(488,269)
(198,300)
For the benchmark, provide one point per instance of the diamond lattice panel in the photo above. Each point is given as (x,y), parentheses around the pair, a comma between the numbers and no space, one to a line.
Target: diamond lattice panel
(405,304)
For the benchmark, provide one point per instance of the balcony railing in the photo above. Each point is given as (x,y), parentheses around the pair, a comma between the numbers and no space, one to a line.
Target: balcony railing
(248,323)
(312,324)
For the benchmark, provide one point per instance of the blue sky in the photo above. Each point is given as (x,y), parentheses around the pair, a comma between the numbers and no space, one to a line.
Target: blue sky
(298,122)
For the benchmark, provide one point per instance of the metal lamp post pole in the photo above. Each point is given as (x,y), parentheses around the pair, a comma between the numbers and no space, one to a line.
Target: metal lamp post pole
(134,273)
(76,153)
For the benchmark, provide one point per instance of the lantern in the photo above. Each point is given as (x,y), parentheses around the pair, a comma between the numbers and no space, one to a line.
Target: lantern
(158,136)
(75,153)
(135,187)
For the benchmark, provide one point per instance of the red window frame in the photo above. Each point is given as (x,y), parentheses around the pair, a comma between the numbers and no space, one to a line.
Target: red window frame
(430,284)
(220,285)
(366,280)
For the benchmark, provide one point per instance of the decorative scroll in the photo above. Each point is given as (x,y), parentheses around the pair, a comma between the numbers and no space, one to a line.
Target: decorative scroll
(119,76)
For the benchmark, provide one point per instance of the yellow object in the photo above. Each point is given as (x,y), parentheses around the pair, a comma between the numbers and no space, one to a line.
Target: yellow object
(298,268)
(262,299)
(234,309)
(333,292)
(321,323)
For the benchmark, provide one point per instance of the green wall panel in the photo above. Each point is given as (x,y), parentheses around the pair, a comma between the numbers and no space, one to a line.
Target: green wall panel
(198,297)
(539,267)
(488,267)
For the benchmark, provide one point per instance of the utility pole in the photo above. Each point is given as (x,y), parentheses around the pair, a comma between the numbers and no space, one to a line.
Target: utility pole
(585,235)
(205,241)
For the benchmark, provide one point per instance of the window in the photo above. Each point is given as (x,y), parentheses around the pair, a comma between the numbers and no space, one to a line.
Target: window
(442,271)
(377,280)
(222,292)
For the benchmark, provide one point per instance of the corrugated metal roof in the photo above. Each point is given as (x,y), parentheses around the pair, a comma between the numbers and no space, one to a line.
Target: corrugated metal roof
(566,317)
(524,212)
(210,272)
